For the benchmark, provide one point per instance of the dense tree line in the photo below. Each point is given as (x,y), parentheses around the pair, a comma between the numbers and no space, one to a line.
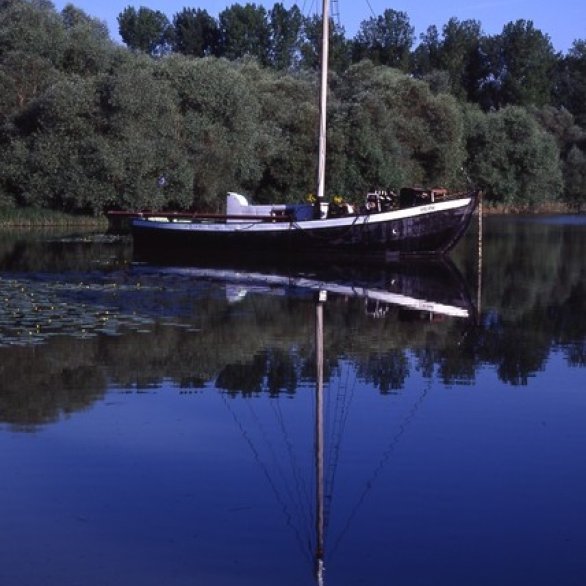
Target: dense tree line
(196,106)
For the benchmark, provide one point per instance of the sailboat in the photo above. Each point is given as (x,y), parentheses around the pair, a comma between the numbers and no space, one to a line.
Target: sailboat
(414,222)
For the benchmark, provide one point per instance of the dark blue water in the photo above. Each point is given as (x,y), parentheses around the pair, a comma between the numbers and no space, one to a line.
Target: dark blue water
(157,427)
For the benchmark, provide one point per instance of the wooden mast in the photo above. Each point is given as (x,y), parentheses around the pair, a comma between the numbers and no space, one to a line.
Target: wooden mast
(323,97)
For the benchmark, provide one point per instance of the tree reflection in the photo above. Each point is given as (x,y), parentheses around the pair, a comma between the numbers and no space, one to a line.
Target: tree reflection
(534,303)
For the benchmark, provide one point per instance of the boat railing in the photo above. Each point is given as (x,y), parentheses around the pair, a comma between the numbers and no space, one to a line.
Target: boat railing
(119,220)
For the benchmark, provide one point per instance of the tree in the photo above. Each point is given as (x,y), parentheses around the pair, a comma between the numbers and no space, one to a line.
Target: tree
(145,30)
(74,17)
(385,40)
(196,33)
(219,126)
(244,31)
(461,55)
(31,29)
(571,141)
(285,32)
(397,131)
(522,62)
(146,165)
(22,77)
(57,131)
(570,90)
(311,45)
(88,49)
(286,151)
(513,159)
(426,57)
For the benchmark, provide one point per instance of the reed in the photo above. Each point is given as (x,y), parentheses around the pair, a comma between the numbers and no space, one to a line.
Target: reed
(36,217)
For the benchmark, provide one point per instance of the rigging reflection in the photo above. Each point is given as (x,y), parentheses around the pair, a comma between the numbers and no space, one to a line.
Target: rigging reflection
(431,289)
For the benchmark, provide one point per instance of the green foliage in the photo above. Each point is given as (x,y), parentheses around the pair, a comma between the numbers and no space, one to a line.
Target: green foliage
(571,141)
(141,119)
(570,86)
(23,77)
(145,30)
(87,125)
(339,47)
(33,30)
(398,131)
(244,32)
(385,40)
(87,49)
(522,62)
(459,54)
(57,132)
(286,27)
(575,176)
(463,57)
(512,158)
(219,125)
(287,148)
(195,33)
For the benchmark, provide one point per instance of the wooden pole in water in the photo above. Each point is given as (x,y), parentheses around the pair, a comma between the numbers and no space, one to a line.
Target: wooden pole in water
(479,282)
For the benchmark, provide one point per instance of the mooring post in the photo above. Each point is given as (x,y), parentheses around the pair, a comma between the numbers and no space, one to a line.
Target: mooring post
(479,281)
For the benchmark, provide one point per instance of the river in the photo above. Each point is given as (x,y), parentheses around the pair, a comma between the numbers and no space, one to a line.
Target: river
(158,423)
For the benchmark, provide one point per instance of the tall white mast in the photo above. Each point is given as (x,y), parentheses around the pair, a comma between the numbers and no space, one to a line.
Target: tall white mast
(323,97)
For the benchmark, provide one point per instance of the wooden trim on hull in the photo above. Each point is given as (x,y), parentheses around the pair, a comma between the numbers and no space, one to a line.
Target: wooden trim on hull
(427,230)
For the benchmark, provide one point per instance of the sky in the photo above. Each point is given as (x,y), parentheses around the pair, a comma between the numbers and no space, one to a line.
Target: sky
(564,21)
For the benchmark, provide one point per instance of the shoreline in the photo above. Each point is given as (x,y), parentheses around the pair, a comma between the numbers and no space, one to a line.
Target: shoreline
(35,218)
(557,208)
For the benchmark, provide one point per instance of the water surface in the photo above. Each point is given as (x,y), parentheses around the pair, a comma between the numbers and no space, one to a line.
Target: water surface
(157,423)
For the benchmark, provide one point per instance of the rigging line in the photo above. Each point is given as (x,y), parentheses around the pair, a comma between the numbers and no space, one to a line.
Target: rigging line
(247,227)
(335,453)
(371,10)
(344,410)
(308,11)
(303,510)
(335,12)
(329,238)
(382,462)
(336,409)
(300,484)
(278,467)
(263,467)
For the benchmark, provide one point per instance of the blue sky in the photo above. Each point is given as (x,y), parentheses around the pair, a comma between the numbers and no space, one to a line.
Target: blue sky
(564,21)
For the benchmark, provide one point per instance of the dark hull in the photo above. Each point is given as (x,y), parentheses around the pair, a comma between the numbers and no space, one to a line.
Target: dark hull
(426,231)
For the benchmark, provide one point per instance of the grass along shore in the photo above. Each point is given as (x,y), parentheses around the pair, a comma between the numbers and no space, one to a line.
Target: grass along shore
(546,208)
(43,218)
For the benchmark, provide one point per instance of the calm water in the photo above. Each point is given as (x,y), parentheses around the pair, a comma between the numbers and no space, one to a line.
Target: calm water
(157,423)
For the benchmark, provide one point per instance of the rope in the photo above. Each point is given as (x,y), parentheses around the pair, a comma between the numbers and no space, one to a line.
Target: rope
(382,462)
(288,515)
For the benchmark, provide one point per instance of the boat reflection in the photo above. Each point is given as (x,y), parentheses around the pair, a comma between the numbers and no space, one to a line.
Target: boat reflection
(435,288)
